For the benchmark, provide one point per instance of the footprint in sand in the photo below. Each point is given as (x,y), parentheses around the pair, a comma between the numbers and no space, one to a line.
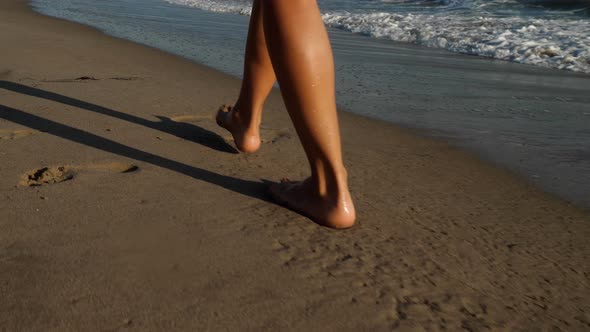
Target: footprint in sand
(57,174)
(16,134)
(5,73)
(396,279)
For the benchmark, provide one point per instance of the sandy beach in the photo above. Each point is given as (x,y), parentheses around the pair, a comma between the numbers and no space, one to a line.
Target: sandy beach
(124,207)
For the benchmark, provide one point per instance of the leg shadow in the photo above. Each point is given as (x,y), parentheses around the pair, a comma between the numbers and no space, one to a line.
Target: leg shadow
(179,129)
(193,133)
(249,188)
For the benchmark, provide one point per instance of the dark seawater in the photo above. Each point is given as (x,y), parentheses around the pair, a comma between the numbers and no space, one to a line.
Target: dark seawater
(533,120)
(548,33)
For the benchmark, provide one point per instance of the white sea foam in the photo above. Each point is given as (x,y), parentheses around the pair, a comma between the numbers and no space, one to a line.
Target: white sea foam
(562,43)
(557,43)
(241,7)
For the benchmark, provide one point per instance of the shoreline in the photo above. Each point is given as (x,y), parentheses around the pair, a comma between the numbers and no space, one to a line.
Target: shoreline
(188,239)
(514,116)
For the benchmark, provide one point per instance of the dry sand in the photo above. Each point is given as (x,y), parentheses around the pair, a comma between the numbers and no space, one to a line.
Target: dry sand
(123,207)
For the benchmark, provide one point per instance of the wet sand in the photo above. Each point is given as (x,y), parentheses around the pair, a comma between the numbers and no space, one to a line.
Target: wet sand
(124,207)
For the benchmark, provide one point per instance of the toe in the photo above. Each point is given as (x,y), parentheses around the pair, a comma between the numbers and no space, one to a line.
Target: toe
(222,113)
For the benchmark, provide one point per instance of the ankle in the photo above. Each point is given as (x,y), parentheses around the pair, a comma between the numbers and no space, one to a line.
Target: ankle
(330,180)
(248,114)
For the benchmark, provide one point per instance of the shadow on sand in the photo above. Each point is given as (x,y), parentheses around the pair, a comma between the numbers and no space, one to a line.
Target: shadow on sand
(249,188)
(182,130)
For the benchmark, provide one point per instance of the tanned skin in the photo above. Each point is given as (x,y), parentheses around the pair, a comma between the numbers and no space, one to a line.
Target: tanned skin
(287,41)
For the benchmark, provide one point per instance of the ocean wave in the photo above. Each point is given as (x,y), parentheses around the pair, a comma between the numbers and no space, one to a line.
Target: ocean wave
(562,43)
(243,7)
(556,43)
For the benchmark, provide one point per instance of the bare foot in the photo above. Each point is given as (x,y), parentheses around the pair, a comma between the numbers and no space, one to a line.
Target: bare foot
(246,136)
(332,210)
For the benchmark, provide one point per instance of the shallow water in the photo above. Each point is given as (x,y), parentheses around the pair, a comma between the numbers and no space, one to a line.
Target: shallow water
(547,33)
(533,120)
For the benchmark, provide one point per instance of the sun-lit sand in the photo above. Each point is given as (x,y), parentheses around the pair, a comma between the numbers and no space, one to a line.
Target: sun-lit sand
(124,206)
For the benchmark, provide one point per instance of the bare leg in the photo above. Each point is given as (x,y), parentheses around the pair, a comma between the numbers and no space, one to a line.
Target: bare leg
(243,119)
(302,60)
